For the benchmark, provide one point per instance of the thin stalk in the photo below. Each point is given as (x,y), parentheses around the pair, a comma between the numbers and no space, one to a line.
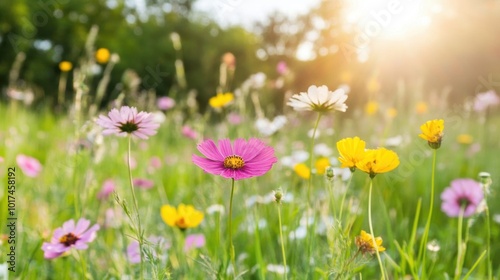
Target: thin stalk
(488,230)
(84,265)
(371,229)
(422,250)
(282,241)
(231,246)
(343,197)
(136,208)
(458,268)
(344,267)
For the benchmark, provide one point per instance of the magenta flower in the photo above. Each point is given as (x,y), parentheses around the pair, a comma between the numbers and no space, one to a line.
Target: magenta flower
(282,67)
(128,121)
(69,236)
(165,103)
(462,192)
(245,160)
(143,183)
(189,132)
(194,241)
(107,188)
(31,167)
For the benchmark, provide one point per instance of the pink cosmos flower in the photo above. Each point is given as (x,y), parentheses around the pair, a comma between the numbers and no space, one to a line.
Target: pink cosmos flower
(31,167)
(194,241)
(462,192)
(165,103)
(143,183)
(155,162)
(244,160)
(127,121)
(234,118)
(133,255)
(188,132)
(282,68)
(69,236)
(107,188)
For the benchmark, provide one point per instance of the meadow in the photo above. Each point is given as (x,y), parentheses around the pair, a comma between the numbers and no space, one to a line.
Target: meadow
(66,169)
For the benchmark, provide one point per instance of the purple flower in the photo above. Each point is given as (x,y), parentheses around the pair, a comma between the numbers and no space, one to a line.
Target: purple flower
(234,118)
(194,241)
(143,183)
(69,236)
(282,68)
(485,100)
(133,255)
(462,193)
(107,188)
(31,167)
(133,252)
(244,160)
(155,162)
(165,103)
(189,132)
(127,121)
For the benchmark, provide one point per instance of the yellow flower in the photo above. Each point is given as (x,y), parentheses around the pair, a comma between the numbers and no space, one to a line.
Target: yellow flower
(321,164)
(465,139)
(185,216)
(351,151)
(302,170)
(378,161)
(432,131)
(392,113)
(65,66)
(371,108)
(421,108)
(365,243)
(102,55)
(221,100)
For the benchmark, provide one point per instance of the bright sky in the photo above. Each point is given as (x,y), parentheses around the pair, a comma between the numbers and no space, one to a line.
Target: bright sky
(245,12)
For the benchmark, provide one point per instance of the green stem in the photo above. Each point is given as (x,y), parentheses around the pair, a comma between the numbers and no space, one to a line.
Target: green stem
(136,208)
(422,250)
(458,268)
(490,272)
(343,197)
(282,241)
(84,265)
(344,267)
(371,230)
(231,246)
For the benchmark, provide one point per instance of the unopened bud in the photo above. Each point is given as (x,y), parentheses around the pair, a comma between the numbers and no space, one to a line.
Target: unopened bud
(485,179)
(278,195)
(329,173)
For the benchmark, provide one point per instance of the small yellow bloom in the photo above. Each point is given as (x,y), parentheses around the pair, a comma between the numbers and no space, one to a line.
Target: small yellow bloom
(392,113)
(102,55)
(366,245)
(321,164)
(65,66)
(421,108)
(302,170)
(465,139)
(185,216)
(221,100)
(432,131)
(378,161)
(351,150)
(371,108)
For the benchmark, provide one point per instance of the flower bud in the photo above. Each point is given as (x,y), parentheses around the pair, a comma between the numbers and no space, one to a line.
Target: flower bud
(329,173)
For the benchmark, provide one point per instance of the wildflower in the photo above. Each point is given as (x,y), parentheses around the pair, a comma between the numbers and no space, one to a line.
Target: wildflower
(221,100)
(244,160)
(185,216)
(155,162)
(378,161)
(69,236)
(143,183)
(432,131)
(323,150)
(31,167)
(107,188)
(371,108)
(298,156)
(234,118)
(133,253)
(329,173)
(278,268)
(486,99)
(65,66)
(365,243)
(229,60)
(352,151)
(319,99)
(433,246)
(215,208)
(102,55)
(194,241)
(282,68)
(267,127)
(127,121)
(465,193)
(421,108)
(465,139)
(165,103)
(321,164)
(302,170)
(188,132)
(278,196)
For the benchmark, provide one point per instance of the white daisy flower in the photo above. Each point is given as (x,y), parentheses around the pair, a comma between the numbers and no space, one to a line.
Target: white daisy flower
(319,99)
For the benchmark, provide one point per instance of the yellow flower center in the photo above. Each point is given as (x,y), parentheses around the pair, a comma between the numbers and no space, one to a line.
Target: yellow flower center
(68,239)
(234,162)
